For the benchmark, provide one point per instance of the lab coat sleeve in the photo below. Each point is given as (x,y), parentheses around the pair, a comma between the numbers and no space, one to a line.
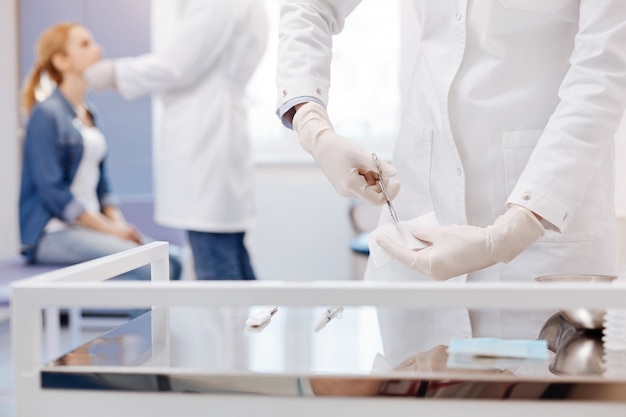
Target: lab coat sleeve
(305,48)
(203,33)
(580,132)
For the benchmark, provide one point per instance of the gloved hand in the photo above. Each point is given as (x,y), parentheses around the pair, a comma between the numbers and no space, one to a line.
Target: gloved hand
(101,75)
(455,250)
(348,166)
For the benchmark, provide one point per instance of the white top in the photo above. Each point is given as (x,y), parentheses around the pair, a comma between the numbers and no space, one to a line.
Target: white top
(87,175)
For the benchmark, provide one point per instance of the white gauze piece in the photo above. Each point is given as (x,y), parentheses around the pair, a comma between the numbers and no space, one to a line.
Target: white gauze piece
(379,256)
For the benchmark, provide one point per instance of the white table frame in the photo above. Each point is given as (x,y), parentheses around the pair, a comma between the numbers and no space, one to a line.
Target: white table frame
(81,285)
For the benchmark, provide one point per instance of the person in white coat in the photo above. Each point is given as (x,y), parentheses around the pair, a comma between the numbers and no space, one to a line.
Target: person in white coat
(203,174)
(507,136)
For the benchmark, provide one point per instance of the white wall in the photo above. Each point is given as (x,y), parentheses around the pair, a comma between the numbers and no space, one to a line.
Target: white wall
(9,156)
(303,230)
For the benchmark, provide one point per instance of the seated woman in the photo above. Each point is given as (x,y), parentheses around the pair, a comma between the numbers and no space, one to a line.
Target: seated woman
(66,210)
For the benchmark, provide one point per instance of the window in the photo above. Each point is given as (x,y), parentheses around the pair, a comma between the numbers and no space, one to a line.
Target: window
(364,96)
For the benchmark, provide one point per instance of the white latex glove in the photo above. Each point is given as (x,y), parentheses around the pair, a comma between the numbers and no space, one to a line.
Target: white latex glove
(455,250)
(348,166)
(101,75)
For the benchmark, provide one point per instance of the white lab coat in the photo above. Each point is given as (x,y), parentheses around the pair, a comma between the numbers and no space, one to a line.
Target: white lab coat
(203,174)
(510,101)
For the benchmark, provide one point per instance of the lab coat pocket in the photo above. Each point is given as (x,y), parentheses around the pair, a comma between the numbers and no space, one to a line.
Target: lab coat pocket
(545,6)
(517,146)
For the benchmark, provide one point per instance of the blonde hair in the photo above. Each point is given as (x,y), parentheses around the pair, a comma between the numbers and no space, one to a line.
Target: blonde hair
(52,41)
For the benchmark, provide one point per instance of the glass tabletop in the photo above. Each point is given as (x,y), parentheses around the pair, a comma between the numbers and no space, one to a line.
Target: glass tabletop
(201,349)
(218,339)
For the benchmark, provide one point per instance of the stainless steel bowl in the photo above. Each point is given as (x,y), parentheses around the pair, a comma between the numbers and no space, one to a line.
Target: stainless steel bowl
(582,318)
(579,355)
(556,330)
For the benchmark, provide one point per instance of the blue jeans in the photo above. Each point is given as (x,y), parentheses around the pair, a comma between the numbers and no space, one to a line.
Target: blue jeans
(220,256)
(79,244)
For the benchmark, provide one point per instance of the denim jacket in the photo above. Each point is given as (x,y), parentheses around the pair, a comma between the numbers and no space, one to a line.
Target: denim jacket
(53,149)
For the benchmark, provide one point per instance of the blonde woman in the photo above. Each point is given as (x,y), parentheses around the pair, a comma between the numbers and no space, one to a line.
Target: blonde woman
(67,214)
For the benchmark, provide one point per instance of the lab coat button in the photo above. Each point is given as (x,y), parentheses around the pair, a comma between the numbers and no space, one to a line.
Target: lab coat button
(284,93)
(458,171)
(459,16)
(527,196)
(319,91)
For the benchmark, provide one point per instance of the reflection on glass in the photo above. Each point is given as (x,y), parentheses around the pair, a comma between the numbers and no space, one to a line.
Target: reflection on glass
(192,349)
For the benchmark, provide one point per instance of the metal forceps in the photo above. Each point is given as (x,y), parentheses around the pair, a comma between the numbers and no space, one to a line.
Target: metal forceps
(383,188)
(329,314)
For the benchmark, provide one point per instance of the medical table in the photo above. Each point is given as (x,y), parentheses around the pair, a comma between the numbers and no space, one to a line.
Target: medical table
(191,352)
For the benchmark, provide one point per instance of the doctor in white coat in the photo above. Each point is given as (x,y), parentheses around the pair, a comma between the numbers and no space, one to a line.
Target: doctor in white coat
(507,136)
(203,174)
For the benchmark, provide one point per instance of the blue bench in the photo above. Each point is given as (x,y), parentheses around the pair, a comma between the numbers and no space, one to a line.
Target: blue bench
(13,269)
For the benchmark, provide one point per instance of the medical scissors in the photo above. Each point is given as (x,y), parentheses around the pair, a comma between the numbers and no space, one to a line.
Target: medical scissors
(383,188)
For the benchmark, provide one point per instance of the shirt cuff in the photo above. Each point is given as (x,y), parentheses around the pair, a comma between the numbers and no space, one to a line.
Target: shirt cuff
(287,110)
(554,213)
(108,200)
(72,211)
